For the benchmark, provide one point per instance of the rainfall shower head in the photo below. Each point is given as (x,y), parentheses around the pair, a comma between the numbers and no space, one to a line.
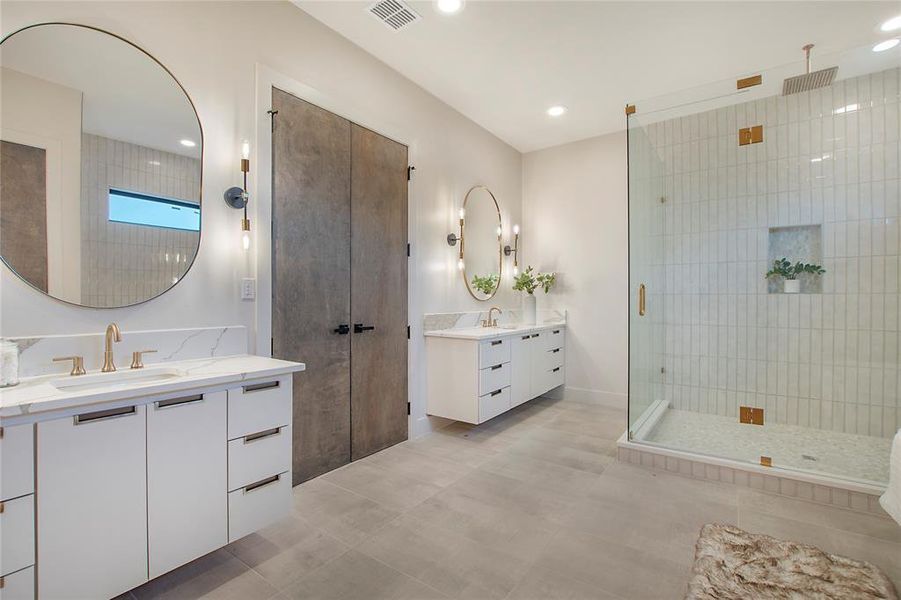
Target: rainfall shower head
(808,81)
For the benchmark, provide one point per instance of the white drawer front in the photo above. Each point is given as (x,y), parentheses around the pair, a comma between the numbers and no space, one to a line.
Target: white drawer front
(17,534)
(493,404)
(255,506)
(553,378)
(16,461)
(494,378)
(554,338)
(494,352)
(550,359)
(18,585)
(259,405)
(257,456)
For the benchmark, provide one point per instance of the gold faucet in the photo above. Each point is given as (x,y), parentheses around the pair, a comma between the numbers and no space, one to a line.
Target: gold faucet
(489,322)
(112,335)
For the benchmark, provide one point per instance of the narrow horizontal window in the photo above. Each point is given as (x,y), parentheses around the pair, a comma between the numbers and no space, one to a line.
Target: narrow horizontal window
(153,211)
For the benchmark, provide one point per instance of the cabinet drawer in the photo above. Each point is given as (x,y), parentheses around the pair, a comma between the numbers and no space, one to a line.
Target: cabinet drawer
(257,456)
(494,378)
(493,404)
(554,338)
(257,505)
(259,405)
(553,378)
(16,461)
(494,352)
(18,585)
(17,534)
(550,359)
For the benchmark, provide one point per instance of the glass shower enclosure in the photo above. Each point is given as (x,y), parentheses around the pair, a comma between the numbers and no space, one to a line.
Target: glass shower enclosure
(797,372)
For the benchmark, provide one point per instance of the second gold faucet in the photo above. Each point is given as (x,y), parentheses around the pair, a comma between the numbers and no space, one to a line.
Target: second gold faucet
(113,334)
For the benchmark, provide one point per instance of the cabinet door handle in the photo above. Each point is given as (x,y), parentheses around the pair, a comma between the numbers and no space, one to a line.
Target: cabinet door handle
(641,300)
(555,350)
(496,367)
(103,415)
(253,437)
(342,329)
(262,483)
(256,387)
(360,328)
(555,370)
(495,393)
(172,402)
(497,342)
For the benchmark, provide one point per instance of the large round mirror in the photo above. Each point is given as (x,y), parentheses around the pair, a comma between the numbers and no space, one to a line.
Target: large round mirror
(482,251)
(100,167)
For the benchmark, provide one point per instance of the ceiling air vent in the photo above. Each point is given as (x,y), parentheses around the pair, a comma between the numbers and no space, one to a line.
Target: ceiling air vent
(394,14)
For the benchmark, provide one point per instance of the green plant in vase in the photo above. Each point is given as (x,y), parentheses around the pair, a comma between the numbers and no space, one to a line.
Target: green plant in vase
(528,281)
(486,284)
(782,267)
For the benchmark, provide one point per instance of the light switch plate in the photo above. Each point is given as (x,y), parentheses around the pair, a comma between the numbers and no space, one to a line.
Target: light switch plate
(248,288)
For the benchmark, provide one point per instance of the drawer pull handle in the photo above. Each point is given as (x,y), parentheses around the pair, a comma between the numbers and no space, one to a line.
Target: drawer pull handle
(172,402)
(527,337)
(496,367)
(253,437)
(556,331)
(535,335)
(555,370)
(495,393)
(261,483)
(103,415)
(555,350)
(497,342)
(256,387)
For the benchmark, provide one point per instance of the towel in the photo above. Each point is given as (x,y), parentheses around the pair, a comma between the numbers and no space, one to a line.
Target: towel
(891,499)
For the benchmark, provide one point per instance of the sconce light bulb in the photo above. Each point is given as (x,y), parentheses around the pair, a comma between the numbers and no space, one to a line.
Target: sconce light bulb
(515,270)
(499,231)
(462,213)
(245,150)
(245,241)
(460,264)
(516,230)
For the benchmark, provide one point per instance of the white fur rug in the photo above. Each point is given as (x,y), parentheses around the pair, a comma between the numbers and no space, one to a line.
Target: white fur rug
(731,564)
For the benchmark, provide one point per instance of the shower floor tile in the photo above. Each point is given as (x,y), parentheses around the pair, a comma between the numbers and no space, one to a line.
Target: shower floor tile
(849,456)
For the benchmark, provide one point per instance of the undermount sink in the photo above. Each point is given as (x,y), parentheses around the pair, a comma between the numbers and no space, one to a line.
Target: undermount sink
(116,378)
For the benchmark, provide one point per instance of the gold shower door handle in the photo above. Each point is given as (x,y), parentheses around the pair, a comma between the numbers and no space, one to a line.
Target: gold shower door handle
(641,300)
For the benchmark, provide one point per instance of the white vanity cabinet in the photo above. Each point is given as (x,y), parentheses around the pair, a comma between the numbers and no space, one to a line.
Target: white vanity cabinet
(474,378)
(122,491)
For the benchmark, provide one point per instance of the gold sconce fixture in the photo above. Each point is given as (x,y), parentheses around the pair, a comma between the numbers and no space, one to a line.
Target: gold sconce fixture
(238,198)
(453,238)
(514,250)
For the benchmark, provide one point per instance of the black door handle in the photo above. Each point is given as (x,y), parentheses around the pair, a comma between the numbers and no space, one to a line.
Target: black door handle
(360,328)
(342,329)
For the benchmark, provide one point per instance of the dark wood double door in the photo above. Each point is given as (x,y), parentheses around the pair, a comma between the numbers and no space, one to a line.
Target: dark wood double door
(339,270)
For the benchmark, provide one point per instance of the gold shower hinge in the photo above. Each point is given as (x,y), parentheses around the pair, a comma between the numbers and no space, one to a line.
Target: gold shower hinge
(766,461)
(630,109)
(750,135)
(749,82)
(750,415)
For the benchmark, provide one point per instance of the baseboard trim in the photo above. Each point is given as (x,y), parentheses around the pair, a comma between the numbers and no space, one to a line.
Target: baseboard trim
(587,396)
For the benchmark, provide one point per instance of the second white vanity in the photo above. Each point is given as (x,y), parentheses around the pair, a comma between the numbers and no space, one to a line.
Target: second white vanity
(112,479)
(478,373)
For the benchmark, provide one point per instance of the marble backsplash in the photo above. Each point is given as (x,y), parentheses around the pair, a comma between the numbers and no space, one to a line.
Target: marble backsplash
(463,320)
(36,354)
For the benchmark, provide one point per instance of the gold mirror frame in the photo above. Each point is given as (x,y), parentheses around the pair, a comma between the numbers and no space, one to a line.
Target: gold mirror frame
(500,245)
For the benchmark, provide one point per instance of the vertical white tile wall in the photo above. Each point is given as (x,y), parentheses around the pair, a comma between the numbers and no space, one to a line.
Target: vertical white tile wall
(123,263)
(829,157)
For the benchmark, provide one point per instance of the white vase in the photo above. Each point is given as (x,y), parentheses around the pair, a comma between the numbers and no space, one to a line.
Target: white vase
(528,309)
(792,286)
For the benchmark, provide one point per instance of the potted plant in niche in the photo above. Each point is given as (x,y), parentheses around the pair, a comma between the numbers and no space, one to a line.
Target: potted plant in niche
(789,272)
(528,282)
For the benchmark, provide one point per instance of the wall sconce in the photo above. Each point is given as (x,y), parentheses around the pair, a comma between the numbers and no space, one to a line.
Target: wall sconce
(514,250)
(453,238)
(238,198)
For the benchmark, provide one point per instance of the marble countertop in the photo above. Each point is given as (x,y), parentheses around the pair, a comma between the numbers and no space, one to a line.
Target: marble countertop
(490,333)
(36,395)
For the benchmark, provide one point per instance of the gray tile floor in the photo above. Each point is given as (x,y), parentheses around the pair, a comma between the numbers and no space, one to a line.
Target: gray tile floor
(530,505)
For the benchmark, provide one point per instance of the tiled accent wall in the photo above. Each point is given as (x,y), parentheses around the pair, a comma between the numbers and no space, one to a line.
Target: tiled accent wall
(830,157)
(123,263)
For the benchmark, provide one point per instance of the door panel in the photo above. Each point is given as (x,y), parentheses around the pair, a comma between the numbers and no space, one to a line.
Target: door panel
(311,276)
(378,292)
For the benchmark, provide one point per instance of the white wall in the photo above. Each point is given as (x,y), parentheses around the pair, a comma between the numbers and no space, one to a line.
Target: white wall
(212,48)
(575,222)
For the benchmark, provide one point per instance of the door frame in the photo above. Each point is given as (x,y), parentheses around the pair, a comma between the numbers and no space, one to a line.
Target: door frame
(260,205)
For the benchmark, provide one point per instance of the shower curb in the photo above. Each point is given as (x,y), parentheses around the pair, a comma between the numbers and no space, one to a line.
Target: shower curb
(858,497)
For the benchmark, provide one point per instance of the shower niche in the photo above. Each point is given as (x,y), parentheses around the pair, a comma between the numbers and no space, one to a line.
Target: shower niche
(797,243)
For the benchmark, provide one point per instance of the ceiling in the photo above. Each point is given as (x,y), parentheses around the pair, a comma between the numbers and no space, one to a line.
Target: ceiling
(503,63)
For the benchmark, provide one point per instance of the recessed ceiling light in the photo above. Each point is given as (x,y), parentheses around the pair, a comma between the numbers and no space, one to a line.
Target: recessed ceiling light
(892,24)
(450,6)
(556,111)
(886,45)
(188,143)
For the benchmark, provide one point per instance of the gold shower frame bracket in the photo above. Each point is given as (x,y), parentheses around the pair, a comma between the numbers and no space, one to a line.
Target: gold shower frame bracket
(747,82)
(750,135)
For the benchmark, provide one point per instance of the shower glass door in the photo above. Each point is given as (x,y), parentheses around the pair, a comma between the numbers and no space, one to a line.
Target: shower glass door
(723,181)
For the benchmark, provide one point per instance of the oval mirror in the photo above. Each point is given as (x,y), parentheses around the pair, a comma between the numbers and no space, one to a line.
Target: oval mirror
(100,167)
(482,252)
